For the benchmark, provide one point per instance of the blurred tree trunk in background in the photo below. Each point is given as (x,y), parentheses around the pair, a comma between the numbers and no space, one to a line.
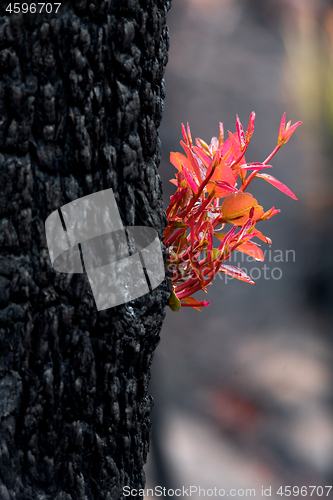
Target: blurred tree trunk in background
(81,98)
(308,38)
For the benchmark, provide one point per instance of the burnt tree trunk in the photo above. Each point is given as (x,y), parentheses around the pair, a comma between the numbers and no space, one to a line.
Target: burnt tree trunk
(81,98)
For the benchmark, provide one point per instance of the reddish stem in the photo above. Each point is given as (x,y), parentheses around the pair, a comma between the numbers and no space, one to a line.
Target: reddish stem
(173,237)
(254,173)
(197,196)
(197,287)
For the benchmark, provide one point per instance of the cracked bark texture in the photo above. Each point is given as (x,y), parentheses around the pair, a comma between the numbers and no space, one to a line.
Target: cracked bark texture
(81,98)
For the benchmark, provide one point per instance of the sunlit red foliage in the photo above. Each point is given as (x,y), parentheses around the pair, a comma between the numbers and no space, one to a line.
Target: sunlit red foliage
(211,183)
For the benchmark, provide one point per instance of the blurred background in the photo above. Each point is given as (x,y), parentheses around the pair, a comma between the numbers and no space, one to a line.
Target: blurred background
(243,390)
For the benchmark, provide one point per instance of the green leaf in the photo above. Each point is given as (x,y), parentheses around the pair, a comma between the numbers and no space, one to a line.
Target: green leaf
(181,225)
(216,253)
(174,302)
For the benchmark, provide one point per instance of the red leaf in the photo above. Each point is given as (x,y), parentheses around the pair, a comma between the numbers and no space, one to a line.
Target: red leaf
(290,130)
(192,302)
(270,213)
(286,131)
(184,134)
(202,145)
(242,235)
(263,237)
(240,133)
(255,166)
(189,135)
(223,173)
(180,245)
(196,266)
(203,157)
(252,249)
(250,127)
(227,238)
(191,157)
(279,185)
(178,160)
(235,146)
(174,199)
(214,145)
(226,151)
(235,272)
(191,182)
(282,127)
(221,134)
(222,189)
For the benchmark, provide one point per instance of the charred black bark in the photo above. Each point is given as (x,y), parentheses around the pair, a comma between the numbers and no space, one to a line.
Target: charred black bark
(81,98)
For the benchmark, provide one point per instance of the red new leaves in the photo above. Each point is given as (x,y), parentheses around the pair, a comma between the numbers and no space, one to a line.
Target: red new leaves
(211,181)
(286,131)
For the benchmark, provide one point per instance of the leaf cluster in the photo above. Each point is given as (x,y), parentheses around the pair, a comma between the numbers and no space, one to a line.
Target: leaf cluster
(211,192)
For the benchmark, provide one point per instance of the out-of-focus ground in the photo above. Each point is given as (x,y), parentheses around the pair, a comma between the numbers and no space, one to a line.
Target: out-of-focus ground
(243,390)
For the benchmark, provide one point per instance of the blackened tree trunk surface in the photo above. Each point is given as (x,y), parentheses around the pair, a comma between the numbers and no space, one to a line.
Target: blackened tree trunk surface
(81,98)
